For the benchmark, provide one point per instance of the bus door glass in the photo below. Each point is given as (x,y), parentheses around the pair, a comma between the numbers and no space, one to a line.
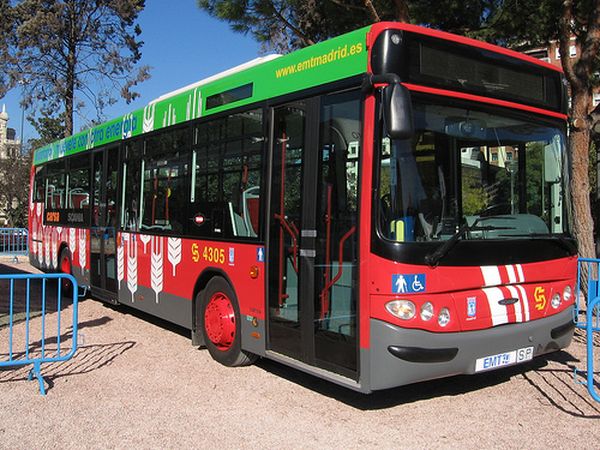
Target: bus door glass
(313,236)
(104,214)
(285,224)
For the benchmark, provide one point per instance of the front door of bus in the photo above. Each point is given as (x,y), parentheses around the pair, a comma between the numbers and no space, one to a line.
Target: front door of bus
(103,232)
(312,232)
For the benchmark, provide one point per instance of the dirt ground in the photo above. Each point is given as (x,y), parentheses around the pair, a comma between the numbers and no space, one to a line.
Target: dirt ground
(137,382)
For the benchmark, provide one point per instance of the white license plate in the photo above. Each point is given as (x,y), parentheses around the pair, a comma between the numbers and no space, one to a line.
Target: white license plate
(504,359)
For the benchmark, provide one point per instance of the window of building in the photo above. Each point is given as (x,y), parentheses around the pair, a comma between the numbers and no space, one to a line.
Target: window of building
(572,51)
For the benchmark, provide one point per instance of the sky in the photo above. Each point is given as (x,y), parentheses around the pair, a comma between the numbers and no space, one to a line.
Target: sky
(182,44)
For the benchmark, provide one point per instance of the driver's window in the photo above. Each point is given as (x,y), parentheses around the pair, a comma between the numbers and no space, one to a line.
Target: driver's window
(411,188)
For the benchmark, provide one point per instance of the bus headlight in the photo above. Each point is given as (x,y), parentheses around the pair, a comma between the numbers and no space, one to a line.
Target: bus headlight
(555,300)
(567,294)
(402,309)
(426,311)
(444,317)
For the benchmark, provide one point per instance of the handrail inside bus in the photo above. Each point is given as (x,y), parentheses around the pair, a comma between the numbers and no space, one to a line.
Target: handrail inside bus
(330,284)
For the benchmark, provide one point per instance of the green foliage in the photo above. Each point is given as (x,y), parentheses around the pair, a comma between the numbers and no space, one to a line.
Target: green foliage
(13,189)
(49,129)
(66,53)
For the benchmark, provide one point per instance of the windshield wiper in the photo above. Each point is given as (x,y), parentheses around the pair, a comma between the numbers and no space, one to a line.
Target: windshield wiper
(434,258)
(564,242)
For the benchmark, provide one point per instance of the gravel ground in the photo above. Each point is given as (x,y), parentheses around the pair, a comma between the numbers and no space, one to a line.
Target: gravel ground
(138,382)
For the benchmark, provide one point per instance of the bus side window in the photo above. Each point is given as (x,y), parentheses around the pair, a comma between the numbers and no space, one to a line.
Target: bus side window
(164,175)
(130,196)
(226,183)
(39,185)
(55,185)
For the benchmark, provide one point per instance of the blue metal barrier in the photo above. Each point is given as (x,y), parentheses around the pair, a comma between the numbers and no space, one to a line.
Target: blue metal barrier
(28,354)
(588,271)
(14,241)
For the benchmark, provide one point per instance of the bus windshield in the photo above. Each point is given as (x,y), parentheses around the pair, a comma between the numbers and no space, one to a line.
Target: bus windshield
(489,175)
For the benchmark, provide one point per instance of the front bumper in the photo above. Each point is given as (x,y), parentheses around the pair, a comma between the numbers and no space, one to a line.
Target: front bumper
(401,356)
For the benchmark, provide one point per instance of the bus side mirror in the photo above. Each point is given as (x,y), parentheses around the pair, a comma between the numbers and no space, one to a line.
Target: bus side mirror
(397,112)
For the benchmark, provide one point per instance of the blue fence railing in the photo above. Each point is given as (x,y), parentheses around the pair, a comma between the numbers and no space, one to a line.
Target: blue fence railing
(14,241)
(45,340)
(588,290)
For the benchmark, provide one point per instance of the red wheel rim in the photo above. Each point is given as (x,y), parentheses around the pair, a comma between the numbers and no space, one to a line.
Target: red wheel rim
(219,321)
(65,267)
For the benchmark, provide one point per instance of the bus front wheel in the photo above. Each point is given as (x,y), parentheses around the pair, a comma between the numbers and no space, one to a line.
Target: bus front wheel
(218,316)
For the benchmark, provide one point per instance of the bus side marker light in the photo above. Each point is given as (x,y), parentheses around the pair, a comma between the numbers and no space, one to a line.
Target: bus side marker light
(402,309)
(426,311)
(253,272)
(444,317)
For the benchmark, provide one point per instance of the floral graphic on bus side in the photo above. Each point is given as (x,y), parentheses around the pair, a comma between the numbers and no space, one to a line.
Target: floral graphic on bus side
(82,250)
(145,238)
(72,241)
(156,265)
(132,267)
(148,124)
(121,262)
(174,254)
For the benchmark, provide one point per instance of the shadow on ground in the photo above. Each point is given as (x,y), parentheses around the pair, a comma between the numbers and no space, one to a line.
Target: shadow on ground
(28,297)
(542,374)
(87,359)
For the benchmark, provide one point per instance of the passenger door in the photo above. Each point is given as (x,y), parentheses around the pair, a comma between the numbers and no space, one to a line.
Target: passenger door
(105,166)
(313,238)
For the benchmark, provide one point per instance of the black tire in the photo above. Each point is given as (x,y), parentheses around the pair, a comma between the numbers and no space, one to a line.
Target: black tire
(226,350)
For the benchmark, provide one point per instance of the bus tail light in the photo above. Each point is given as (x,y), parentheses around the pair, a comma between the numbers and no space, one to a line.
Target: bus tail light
(402,309)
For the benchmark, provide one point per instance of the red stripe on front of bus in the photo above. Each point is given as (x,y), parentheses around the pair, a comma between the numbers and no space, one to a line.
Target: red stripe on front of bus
(479,99)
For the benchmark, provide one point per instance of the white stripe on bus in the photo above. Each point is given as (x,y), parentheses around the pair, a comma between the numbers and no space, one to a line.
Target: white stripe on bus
(518,305)
(498,312)
(525,301)
(491,275)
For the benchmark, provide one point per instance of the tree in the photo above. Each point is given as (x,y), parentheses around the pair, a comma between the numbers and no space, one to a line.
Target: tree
(517,24)
(583,21)
(65,53)
(13,189)
(284,25)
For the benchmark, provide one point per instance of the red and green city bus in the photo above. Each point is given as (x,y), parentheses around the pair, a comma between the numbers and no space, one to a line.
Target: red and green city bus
(385,207)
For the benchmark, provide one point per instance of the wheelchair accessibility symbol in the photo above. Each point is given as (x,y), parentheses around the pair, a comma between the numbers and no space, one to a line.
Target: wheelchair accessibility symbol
(408,283)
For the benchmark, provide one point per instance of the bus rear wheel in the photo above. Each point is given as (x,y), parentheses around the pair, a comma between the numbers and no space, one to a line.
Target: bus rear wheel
(65,266)
(218,316)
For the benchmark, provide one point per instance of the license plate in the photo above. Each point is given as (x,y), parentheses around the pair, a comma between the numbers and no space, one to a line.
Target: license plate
(504,359)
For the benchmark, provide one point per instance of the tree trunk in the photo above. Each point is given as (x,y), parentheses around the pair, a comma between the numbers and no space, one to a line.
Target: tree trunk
(579,144)
(402,13)
(69,110)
